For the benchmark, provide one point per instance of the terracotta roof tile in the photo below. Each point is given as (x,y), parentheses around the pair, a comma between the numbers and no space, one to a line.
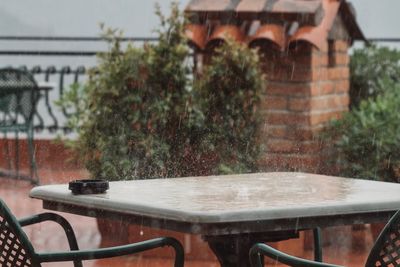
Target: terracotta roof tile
(197,35)
(251,5)
(319,34)
(293,6)
(222,32)
(271,32)
(282,22)
(212,5)
(349,17)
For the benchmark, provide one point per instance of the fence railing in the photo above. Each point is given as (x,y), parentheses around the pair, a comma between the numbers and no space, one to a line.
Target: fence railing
(61,78)
(49,117)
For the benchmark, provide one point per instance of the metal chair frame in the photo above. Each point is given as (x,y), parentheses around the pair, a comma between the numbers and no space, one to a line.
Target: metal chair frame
(385,252)
(20,252)
(16,118)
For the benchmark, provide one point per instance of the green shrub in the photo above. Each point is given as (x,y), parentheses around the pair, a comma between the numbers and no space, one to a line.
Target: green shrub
(368,67)
(368,137)
(141,114)
(230,90)
(132,115)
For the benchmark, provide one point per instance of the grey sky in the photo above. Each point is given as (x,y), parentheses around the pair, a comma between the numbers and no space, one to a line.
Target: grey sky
(136,17)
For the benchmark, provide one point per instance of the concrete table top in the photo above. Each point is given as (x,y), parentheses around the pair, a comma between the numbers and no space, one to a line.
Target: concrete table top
(230,199)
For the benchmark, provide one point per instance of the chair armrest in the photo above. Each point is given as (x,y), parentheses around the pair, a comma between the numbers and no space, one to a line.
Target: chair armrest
(261,249)
(47,216)
(55,218)
(102,253)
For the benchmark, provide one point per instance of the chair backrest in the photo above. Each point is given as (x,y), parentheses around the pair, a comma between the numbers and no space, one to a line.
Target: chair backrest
(386,250)
(15,248)
(18,96)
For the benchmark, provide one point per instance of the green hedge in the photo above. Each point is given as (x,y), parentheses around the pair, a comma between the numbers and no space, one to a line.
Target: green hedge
(368,67)
(229,92)
(143,113)
(367,139)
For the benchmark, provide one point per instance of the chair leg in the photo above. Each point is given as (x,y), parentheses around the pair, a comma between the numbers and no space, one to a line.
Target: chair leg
(31,153)
(256,259)
(317,244)
(7,151)
(17,154)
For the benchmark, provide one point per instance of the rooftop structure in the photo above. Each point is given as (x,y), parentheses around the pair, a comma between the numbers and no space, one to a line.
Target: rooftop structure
(303,46)
(283,22)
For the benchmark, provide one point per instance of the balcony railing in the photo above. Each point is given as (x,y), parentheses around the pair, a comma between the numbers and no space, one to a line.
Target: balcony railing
(48,117)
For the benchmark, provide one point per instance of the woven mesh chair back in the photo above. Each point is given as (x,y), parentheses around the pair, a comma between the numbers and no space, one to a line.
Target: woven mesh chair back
(18,95)
(15,249)
(386,250)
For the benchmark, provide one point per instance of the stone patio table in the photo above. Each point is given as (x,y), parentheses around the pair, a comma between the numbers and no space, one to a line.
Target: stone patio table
(232,212)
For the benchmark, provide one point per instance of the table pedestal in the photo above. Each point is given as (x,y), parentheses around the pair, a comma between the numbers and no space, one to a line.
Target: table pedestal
(233,250)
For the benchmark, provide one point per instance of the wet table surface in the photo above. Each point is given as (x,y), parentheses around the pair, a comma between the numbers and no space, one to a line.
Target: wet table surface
(233,198)
(234,212)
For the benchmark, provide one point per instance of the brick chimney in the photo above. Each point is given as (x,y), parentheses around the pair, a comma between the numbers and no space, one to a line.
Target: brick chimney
(304,46)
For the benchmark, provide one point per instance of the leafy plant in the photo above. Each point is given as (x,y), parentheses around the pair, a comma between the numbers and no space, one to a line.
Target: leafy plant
(368,137)
(230,91)
(131,116)
(368,67)
(142,114)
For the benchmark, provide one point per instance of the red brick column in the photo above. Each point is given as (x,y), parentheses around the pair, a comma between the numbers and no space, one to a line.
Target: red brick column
(306,88)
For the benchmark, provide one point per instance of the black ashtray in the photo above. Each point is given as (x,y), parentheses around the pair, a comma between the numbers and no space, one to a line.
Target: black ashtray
(88,186)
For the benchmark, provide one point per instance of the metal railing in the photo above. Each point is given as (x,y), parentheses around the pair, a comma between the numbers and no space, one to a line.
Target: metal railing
(59,74)
(49,117)
(384,40)
(62,39)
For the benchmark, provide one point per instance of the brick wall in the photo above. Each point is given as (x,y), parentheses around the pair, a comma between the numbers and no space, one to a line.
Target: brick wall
(306,88)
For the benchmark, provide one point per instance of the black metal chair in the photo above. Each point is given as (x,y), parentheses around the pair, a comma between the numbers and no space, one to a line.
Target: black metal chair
(17,250)
(385,252)
(18,98)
